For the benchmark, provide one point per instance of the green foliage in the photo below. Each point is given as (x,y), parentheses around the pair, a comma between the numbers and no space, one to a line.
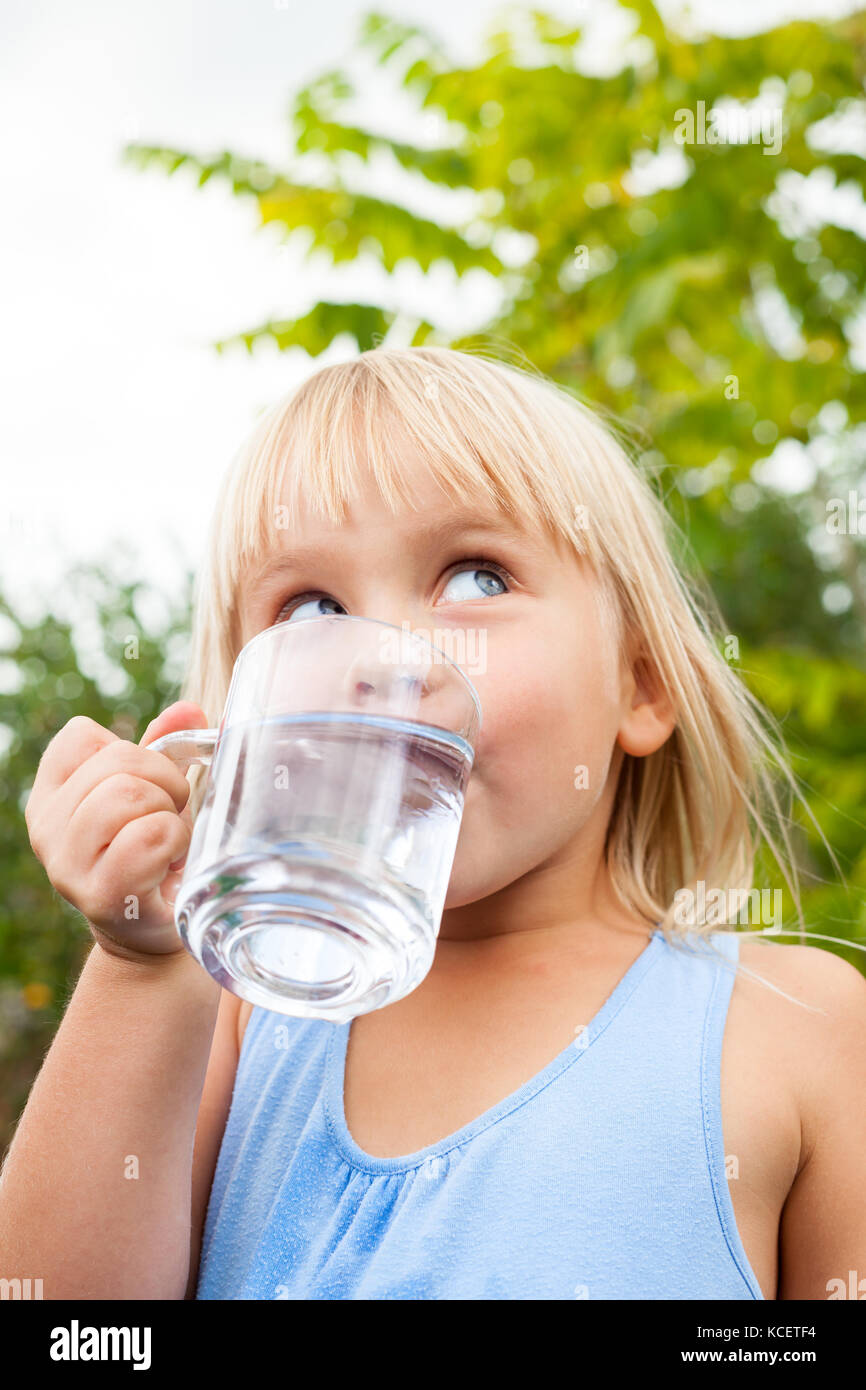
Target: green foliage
(317,329)
(43,940)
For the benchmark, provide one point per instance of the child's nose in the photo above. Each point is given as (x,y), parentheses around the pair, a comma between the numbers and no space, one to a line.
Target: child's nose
(411,683)
(380,689)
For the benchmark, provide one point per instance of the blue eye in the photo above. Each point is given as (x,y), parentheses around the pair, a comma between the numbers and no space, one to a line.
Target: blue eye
(312,608)
(477,579)
(467,583)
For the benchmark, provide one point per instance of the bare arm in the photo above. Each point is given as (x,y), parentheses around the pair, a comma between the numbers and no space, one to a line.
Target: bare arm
(823,1228)
(96,1193)
(212,1115)
(95,1196)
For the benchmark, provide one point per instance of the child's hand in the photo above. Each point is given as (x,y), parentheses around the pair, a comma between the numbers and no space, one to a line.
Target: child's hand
(107,819)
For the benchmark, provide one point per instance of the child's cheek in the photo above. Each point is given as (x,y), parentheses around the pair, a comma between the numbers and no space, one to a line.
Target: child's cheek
(542,726)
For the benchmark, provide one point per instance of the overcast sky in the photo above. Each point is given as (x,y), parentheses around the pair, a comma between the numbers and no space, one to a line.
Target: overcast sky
(116,416)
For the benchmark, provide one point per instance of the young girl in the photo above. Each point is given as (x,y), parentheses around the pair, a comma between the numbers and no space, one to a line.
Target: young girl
(594,1093)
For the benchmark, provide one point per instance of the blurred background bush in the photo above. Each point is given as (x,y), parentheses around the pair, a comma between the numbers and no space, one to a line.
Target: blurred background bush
(679,241)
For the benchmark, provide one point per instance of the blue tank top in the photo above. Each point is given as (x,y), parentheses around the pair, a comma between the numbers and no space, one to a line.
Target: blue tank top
(603,1177)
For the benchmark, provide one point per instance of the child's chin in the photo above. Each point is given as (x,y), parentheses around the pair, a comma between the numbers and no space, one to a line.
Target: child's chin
(466,885)
(460,894)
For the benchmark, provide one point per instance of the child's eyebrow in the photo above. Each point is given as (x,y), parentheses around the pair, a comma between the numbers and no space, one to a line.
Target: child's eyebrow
(448,530)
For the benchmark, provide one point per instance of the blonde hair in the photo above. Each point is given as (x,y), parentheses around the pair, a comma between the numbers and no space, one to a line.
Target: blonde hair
(696,810)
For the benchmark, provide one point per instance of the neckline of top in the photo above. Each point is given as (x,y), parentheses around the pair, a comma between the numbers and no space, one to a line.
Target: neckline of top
(335,1076)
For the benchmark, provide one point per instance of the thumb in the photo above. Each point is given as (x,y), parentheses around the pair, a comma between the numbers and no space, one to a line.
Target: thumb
(183,714)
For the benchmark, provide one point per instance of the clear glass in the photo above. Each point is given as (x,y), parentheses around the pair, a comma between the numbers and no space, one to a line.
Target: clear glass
(321,855)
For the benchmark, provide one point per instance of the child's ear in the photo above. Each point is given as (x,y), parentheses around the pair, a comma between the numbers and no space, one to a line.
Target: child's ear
(649,717)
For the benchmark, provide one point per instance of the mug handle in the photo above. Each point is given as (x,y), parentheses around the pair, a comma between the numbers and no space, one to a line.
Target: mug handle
(188,745)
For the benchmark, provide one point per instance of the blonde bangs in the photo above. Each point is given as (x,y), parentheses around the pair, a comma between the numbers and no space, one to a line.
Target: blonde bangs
(486,438)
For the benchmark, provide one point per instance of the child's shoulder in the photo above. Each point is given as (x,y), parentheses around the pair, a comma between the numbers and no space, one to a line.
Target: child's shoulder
(821,1046)
(815,976)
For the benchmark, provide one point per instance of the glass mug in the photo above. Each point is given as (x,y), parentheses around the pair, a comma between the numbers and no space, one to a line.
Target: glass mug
(320,857)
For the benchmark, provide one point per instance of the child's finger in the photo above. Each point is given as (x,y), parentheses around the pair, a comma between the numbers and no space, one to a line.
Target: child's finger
(183,714)
(71,746)
(51,816)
